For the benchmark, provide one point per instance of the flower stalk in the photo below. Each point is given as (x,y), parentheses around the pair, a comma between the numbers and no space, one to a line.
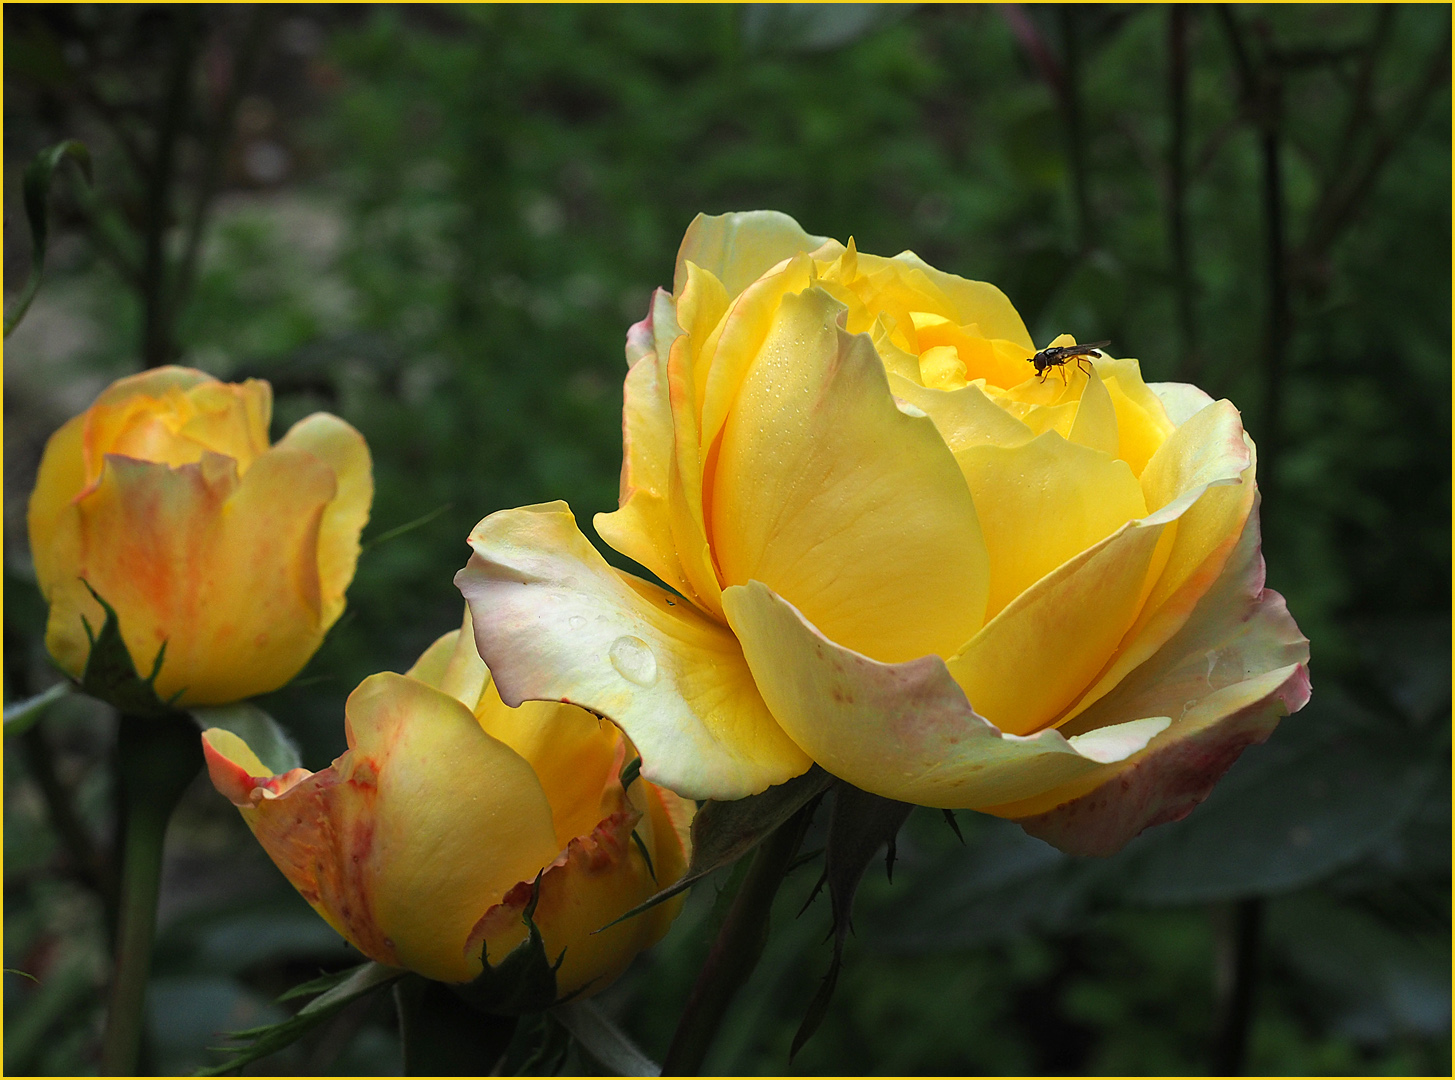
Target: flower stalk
(737,949)
(156,759)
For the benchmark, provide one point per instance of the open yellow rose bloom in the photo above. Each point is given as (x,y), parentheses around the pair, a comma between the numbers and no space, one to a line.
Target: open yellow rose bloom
(421,843)
(166,498)
(893,551)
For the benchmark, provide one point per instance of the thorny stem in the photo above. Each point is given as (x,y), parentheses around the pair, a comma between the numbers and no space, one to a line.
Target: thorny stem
(157,331)
(1189,359)
(214,154)
(736,951)
(157,757)
(1238,940)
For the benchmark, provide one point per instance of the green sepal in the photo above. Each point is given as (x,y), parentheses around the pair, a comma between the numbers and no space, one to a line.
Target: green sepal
(723,832)
(525,980)
(339,991)
(110,673)
(630,771)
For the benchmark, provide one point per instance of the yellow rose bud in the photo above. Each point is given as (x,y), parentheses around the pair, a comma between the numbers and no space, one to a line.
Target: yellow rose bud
(421,843)
(901,554)
(165,497)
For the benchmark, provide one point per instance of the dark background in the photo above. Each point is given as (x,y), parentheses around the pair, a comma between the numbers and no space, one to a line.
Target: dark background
(438,222)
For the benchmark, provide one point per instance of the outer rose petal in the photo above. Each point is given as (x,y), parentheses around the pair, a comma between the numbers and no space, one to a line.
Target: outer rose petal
(336,444)
(849,508)
(642,528)
(903,731)
(555,622)
(1207,467)
(1237,665)
(740,248)
(214,566)
(385,844)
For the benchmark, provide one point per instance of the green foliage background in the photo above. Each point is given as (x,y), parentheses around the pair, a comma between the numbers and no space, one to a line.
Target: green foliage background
(439,221)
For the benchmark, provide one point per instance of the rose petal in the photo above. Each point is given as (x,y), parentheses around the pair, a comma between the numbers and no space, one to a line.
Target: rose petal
(740,248)
(555,622)
(903,731)
(342,449)
(1042,503)
(841,503)
(1095,425)
(976,302)
(642,528)
(600,876)
(224,571)
(1230,673)
(1203,475)
(964,417)
(1032,660)
(386,843)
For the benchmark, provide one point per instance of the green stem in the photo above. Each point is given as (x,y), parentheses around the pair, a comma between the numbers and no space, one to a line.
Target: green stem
(736,951)
(157,757)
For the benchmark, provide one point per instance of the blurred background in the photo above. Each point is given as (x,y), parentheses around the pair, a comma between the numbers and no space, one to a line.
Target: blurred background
(438,222)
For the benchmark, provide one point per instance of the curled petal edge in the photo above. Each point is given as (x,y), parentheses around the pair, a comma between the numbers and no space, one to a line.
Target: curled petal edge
(904,731)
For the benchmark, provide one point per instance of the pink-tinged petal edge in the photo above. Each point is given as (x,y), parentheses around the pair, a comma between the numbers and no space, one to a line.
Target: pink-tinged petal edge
(1178,769)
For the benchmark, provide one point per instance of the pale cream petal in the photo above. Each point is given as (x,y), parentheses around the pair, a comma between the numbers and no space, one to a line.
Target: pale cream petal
(555,622)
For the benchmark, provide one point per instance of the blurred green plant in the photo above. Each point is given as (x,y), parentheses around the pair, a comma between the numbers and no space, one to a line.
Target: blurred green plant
(476,202)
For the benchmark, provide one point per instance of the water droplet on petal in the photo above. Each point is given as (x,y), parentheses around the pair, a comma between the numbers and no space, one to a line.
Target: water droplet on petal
(575,622)
(634,659)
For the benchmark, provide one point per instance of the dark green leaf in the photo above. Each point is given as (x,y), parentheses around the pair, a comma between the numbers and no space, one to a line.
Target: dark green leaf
(38,176)
(723,832)
(264,735)
(860,825)
(262,1041)
(24,715)
(110,673)
(1332,784)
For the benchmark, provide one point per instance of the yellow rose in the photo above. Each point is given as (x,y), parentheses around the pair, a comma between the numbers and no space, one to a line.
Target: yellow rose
(166,498)
(898,553)
(420,844)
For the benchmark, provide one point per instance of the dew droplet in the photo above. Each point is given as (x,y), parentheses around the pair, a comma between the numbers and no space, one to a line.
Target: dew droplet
(575,622)
(633,658)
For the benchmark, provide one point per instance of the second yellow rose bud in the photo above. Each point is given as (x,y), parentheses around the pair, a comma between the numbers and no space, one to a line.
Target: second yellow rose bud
(422,843)
(166,498)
